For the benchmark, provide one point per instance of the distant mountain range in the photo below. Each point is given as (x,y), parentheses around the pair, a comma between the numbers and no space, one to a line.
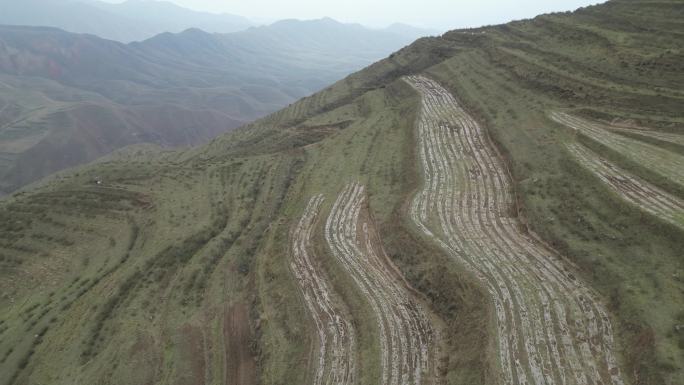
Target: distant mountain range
(133,20)
(66,99)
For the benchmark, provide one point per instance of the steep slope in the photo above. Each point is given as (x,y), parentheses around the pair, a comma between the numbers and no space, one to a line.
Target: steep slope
(206,265)
(133,20)
(68,99)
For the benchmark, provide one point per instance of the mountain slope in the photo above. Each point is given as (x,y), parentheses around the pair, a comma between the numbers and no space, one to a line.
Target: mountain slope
(133,20)
(184,265)
(68,99)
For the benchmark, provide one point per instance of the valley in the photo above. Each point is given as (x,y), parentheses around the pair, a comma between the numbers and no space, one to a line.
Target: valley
(68,99)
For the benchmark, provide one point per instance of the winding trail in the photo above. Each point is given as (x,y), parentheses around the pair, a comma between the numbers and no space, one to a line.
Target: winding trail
(551,328)
(335,357)
(407,337)
(631,188)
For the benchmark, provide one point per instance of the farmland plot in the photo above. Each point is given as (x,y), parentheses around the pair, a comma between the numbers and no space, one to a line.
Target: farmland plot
(334,359)
(631,188)
(551,329)
(407,336)
(659,160)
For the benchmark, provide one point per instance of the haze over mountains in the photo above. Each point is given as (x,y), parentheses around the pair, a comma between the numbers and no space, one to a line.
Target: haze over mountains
(69,98)
(133,20)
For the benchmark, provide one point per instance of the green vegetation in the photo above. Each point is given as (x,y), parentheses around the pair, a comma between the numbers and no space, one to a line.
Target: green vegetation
(134,280)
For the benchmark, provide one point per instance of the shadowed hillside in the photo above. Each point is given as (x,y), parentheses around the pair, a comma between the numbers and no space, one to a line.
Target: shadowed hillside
(486,193)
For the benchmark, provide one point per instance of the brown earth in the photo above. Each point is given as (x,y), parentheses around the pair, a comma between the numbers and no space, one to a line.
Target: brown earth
(240,361)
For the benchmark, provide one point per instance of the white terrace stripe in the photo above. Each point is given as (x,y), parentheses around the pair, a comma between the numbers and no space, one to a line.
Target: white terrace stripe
(659,160)
(631,188)
(406,333)
(662,136)
(336,337)
(551,328)
(659,135)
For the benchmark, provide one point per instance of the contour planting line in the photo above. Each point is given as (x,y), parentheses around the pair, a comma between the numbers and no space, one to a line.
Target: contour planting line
(335,364)
(551,329)
(631,188)
(407,336)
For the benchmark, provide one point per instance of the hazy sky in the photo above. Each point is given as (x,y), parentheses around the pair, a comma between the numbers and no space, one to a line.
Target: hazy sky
(438,14)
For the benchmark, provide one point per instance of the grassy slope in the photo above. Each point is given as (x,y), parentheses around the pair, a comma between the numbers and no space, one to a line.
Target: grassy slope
(205,232)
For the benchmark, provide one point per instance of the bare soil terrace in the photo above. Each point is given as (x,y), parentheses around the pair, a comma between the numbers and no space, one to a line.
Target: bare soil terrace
(632,188)
(551,327)
(659,160)
(334,361)
(408,339)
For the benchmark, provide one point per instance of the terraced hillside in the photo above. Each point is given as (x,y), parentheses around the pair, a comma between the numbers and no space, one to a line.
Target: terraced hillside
(667,163)
(336,362)
(407,337)
(633,189)
(551,329)
(469,210)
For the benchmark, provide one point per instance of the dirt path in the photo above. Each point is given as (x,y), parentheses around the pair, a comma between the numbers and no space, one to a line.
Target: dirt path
(659,160)
(407,337)
(631,188)
(551,329)
(240,361)
(334,359)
